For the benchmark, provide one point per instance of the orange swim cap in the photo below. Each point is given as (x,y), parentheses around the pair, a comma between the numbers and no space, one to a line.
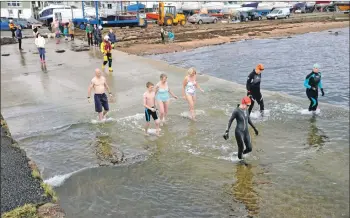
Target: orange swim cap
(246,100)
(259,67)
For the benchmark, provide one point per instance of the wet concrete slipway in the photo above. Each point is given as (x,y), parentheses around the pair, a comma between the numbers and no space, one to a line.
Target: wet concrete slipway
(299,166)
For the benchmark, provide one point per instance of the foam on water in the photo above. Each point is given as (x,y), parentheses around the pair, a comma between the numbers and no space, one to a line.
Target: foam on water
(108,120)
(187,114)
(307,112)
(58,180)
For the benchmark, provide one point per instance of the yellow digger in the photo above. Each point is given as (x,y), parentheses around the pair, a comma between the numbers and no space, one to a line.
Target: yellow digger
(168,16)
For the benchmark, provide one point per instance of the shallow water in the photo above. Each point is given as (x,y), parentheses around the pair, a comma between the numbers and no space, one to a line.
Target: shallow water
(287,61)
(298,168)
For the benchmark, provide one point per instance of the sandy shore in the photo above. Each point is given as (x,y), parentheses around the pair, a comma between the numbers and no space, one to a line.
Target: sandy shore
(147,41)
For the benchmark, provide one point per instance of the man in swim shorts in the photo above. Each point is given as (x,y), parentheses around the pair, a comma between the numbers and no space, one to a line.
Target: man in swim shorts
(241,133)
(99,84)
(312,83)
(149,102)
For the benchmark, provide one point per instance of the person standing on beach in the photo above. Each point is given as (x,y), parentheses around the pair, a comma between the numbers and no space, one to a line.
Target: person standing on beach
(162,97)
(65,31)
(253,88)
(189,87)
(149,102)
(40,44)
(88,31)
(12,27)
(312,83)
(241,133)
(106,49)
(71,30)
(56,29)
(162,34)
(99,84)
(19,37)
(112,37)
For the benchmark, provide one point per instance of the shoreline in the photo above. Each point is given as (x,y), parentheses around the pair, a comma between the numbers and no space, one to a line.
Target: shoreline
(37,199)
(249,33)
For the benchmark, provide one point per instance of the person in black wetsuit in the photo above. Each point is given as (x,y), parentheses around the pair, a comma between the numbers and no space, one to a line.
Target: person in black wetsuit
(241,133)
(253,88)
(312,83)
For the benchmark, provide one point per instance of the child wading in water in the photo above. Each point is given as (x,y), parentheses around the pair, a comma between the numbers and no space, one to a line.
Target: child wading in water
(40,43)
(149,103)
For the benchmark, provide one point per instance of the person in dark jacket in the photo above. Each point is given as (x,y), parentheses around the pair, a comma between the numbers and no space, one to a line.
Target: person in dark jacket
(312,83)
(19,37)
(112,37)
(97,35)
(253,88)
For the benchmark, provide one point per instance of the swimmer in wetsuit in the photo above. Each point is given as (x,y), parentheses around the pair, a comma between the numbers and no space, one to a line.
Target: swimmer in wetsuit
(312,83)
(253,88)
(241,133)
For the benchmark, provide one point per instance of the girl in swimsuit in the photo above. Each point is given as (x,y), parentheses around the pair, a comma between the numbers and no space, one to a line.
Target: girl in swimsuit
(162,97)
(189,90)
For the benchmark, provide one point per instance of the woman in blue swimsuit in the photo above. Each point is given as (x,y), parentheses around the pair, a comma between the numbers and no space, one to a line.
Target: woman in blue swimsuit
(162,97)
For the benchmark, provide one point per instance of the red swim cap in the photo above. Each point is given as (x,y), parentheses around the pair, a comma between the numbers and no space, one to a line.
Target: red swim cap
(246,100)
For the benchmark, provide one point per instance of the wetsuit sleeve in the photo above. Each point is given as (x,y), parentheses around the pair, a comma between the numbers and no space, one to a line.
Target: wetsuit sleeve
(233,117)
(249,79)
(250,122)
(306,82)
(320,83)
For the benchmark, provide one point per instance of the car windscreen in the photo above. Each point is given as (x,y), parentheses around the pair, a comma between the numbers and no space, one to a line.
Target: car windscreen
(274,12)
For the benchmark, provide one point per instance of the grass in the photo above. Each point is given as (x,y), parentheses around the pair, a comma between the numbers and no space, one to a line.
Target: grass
(104,148)
(36,174)
(49,191)
(26,211)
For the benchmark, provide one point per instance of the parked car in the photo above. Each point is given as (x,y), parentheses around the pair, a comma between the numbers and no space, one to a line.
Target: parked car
(5,23)
(253,15)
(23,22)
(34,22)
(202,18)
(280,13)
(243,16)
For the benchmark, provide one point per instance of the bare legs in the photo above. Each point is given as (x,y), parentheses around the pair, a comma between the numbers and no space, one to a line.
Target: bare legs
(148,124)
(191,99)
(102,115)
(163,111)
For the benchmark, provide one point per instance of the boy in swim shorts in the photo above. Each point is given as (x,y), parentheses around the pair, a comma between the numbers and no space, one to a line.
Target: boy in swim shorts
(149,103)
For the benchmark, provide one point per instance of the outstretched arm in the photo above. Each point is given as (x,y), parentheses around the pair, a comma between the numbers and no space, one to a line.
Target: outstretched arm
(107,87)
(249,79)
(184,83)
(89,89)
(306,82)
(198,87)
(251,123)
(320,83)
(233,117)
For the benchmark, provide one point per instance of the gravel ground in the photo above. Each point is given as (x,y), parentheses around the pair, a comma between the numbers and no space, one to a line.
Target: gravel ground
(18,187)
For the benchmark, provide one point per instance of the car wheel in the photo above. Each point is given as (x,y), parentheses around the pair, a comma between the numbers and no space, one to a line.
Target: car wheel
(215,20)
(276,18)
(260,18)
(200,22)
(287,16)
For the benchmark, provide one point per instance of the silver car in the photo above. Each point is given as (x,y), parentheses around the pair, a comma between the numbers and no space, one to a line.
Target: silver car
(202,18)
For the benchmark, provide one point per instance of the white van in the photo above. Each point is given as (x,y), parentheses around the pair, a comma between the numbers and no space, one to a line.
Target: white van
(279,13)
